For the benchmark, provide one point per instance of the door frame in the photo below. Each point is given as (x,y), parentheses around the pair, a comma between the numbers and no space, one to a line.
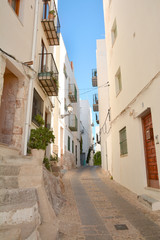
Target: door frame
(147,112)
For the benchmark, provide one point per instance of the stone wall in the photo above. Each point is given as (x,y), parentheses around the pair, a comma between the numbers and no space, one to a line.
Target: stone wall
(69,160)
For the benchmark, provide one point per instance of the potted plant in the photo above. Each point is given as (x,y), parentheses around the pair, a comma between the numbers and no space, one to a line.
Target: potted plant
(39,139)
(51,14)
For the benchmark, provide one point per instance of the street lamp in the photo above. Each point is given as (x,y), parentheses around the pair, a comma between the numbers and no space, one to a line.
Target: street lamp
(69,110)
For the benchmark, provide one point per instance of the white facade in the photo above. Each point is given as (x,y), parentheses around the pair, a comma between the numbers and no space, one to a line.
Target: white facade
(133,63)
(97,140)
(104,105)
(86,128)
(70,155)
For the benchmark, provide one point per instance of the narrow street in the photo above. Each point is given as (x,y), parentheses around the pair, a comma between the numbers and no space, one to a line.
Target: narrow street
(97,208)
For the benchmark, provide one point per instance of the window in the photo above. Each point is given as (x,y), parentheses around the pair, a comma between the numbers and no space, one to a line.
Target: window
(110,2)
(37,106)
(65,104)
(69,143)
(114,32)
(118,82)
(72,146)
(15,4)
(123,141)
(64,71)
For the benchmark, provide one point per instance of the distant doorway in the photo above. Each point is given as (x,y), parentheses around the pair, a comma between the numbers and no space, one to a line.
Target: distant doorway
(150,153)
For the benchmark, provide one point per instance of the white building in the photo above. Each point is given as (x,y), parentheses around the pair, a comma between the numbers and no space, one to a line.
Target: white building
(86,129)
(133,63)
(104,106)
(68,126)
(97,139)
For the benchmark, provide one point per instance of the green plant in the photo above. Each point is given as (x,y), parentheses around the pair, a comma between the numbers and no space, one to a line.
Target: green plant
(97,158)
(52,12)
(41,136)
(38,118)
(47,163)
(55,158)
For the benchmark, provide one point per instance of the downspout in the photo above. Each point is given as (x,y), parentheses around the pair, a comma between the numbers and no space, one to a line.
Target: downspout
(30,89)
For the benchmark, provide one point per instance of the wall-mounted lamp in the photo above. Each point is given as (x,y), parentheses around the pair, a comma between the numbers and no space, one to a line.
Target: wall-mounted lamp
(69,110)
(92,124)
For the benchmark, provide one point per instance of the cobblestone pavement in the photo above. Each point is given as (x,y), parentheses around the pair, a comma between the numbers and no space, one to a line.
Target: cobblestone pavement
(98,208)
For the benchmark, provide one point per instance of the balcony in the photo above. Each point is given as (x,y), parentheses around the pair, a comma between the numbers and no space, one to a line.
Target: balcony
(94,77)
(48,74)
(51,24)
(95,103)
(73,123)
(72,94)
(97,119)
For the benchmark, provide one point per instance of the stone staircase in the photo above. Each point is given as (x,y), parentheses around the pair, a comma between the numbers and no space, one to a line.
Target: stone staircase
(25,212)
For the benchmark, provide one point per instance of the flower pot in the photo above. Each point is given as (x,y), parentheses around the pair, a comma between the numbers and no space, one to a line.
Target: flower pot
(51,16)
(38,155)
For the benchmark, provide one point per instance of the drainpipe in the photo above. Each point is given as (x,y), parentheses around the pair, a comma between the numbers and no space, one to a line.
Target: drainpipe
(30,89)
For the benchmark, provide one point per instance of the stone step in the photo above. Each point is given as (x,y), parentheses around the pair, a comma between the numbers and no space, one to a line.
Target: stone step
(11,199)
(149,202)
(16,160)
(7,182)
(7,150)
(10,234)
(11,170)
(25,231)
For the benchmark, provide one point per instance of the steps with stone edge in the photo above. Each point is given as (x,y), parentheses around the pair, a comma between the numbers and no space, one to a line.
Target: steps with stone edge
(21,174)
(19,207)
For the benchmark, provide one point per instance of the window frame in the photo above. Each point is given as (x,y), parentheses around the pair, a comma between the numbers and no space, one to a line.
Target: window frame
(114,32)
(123,142)
(118,82)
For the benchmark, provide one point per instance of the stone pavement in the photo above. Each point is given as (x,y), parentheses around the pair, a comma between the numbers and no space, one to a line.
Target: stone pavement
(98,208)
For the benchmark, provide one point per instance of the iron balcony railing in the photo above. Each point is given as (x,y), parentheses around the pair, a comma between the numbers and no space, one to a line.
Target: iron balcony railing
(95,103)
(72,93)
(51,24)
(97,119)
(73,123)
(48,74)
(94,77)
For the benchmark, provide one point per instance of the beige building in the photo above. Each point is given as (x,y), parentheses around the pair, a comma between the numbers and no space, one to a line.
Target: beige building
(16,31)
(133,63)
(29,75)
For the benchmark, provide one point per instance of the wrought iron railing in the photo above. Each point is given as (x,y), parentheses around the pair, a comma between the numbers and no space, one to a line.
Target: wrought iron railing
(95,102)
(51,24)
(94,77)
(73,122)
(48,74)
(72,92)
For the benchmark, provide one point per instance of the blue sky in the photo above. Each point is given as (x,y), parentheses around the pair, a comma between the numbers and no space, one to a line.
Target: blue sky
(82,23)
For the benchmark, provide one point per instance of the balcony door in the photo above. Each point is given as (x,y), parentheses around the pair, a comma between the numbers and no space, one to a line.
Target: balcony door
(43,64)
(45,10)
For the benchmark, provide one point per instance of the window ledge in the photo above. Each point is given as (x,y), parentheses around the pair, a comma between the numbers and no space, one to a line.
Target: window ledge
(124,155)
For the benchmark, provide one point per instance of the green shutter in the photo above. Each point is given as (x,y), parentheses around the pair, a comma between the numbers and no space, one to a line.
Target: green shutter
(123,141)
(68,143)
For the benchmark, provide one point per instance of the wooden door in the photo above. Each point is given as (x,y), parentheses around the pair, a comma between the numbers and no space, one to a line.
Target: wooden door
(151,161)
